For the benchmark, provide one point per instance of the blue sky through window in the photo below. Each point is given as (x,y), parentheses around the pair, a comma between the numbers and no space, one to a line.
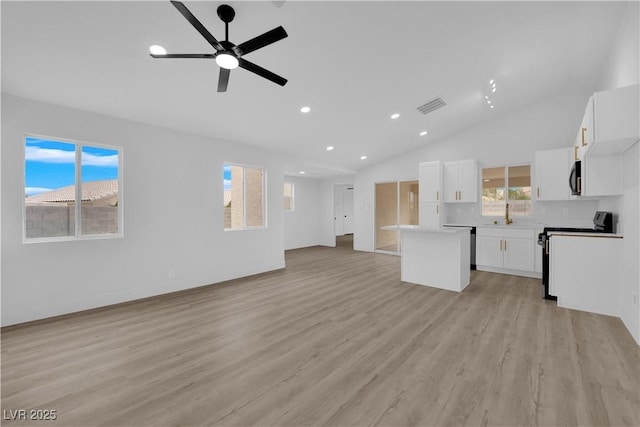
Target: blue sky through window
(51,164)
(226,175)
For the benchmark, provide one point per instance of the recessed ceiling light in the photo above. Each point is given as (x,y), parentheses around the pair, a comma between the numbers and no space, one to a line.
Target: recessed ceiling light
(395,116)
(494,89)
(157,50)
(363,157)
(423,133)
(492,106)
(491,81)
(302,172)
(305,109)
(330,148)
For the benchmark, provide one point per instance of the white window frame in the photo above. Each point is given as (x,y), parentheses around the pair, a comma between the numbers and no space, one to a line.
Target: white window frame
(292,207)
(244,196)
(506,188)
(78,183)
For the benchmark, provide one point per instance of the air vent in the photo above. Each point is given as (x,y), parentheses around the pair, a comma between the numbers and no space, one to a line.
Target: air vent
(432,105)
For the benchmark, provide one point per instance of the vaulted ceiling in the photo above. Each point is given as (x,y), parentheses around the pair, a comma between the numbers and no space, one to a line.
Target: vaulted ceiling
(354,63)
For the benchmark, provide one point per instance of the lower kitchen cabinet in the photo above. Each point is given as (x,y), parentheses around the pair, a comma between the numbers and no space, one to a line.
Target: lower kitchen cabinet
(585,272)
(510,251)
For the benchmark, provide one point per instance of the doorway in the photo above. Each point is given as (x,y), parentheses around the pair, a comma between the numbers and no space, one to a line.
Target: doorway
(343,209)
(396,203)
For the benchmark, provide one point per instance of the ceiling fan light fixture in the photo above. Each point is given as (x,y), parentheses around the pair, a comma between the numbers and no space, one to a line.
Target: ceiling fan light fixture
(227,60)
(157,50)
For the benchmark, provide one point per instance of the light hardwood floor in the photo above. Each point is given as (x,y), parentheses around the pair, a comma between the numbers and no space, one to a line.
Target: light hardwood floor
(335,339)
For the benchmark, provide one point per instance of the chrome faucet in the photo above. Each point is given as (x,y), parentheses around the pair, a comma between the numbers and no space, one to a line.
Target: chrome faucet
(507,220)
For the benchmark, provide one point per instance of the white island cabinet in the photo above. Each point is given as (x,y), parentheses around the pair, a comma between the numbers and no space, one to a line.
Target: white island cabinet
(435,256)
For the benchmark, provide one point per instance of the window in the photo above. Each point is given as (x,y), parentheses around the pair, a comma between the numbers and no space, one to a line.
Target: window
(52,170)
(495,181)
(244,197)
(288,196)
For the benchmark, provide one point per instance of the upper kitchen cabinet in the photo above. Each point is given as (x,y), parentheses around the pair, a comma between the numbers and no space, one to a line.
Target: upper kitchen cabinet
(611,123)
(461,181)
(552,169)
(430,193)
(430,178)
(586,135)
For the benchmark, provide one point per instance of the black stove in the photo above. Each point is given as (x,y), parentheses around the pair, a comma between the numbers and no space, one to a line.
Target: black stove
(602,223)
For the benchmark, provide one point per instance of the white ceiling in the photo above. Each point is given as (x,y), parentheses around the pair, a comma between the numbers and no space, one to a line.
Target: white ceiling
(353,63)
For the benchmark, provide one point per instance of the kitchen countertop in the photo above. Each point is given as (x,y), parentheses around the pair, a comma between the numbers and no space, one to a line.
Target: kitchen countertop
(582,234)
(417,228)
(535,226)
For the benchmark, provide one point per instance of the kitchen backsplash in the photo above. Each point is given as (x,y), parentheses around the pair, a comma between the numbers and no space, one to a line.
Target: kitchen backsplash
(574,213)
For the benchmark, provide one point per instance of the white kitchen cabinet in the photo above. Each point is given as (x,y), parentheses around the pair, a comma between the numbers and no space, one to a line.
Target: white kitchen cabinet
(602,175)
(586,134)
(506,250)
(429,214)
(616,120)
(552,169)
(585,272)
(489,251)
(518,253)
(611,122)
(430,194)
(430,179)
(461,181)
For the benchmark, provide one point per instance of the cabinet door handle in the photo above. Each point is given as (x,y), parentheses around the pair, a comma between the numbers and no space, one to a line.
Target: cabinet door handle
(546,246)
(575,152)
(505,245)
(500,244)
(584,139)
(437,209)
(437,196)
(538,193)
(460,195)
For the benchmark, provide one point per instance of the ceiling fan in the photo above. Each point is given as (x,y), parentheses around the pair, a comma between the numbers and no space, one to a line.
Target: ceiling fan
(228,55)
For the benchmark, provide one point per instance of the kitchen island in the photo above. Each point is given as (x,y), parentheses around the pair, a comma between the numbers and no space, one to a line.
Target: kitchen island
(435,256)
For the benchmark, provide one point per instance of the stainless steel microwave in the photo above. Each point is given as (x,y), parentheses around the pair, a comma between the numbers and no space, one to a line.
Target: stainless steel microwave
(575,178)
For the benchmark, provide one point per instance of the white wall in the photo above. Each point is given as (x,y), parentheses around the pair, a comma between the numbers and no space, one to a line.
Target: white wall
(173,217)
(302,225)
(512,139)
(622,68)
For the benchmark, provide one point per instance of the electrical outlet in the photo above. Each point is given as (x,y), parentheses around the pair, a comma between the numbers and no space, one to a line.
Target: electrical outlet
(172,273)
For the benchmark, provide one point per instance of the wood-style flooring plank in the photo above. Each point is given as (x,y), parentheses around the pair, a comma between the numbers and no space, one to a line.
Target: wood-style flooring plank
(334,339)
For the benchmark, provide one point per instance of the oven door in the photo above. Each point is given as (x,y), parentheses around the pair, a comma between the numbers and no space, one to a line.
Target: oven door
(575,178)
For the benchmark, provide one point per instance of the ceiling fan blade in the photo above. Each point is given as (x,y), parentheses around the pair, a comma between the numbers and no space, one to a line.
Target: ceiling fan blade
(262,40)
(223,80)
(184,55)
(250,66)
(197,24)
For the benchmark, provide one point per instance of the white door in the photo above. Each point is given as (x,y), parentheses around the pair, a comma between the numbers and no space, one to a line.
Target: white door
(338,210)
(347,210)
